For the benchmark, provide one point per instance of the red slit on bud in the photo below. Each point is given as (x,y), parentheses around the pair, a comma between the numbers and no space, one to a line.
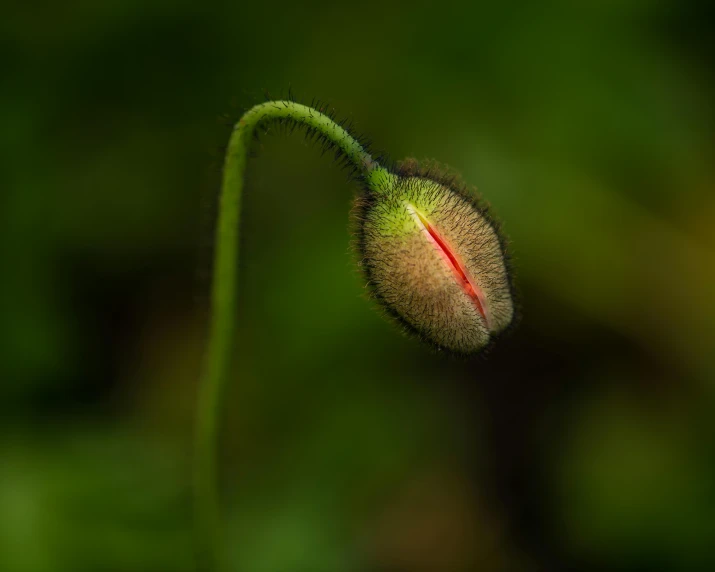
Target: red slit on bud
(457,267)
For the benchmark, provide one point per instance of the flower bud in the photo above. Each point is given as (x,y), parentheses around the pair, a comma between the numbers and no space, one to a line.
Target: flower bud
(434,258)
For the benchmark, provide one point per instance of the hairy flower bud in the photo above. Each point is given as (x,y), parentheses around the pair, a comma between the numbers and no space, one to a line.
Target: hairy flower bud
(435,259)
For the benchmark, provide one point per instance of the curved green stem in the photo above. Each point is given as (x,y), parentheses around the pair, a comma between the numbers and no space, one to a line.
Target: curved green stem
(221,343)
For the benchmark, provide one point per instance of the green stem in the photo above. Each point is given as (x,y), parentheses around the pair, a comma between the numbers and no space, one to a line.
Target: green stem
(221,343)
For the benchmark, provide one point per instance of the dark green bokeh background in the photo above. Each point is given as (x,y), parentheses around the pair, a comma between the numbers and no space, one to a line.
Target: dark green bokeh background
(584,441)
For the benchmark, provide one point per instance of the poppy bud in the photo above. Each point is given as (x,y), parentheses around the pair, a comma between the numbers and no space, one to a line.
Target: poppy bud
(434,258)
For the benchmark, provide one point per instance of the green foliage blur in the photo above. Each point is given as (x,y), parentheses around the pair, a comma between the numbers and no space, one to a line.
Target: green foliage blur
(584,441)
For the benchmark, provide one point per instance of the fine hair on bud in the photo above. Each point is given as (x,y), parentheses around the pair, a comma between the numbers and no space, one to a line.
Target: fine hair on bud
(435,258)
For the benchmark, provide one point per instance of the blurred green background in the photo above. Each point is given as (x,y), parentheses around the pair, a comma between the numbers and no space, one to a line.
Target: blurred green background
(584,441)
